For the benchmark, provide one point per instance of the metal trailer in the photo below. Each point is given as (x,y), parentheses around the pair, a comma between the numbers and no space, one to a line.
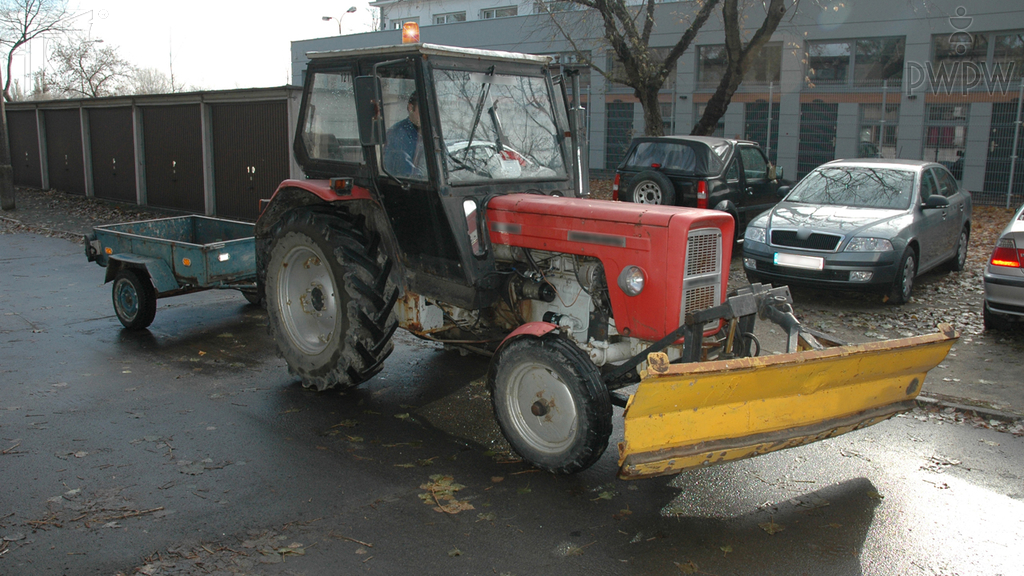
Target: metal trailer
(153,259)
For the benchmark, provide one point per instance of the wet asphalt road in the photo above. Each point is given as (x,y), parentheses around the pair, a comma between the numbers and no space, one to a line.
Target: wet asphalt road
(188,449)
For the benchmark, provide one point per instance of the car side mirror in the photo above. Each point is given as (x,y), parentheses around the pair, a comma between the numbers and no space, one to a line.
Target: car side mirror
(782,191)
(936,201)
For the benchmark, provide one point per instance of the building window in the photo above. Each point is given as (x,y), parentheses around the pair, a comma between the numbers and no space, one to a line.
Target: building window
(1009,54)
(954,54)
(874,61)
(668,123)
(828,62)
(618,132)
(618,70)
(946,134)
(878,133)
(879,60)
(449,18)
(712,60)
(503,12)
(397,24)
(541,7)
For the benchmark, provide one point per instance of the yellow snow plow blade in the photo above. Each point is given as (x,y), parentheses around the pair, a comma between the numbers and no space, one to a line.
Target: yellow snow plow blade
(703,413)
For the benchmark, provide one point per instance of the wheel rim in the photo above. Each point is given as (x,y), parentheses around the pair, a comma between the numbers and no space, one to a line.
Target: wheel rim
(542,409)
(127,299)
(961,256)
(308,299)
(908,278)
(647,193)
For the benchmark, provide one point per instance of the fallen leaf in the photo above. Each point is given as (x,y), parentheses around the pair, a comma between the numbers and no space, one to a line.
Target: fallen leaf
(454,552)
(488,517)
(875,495)
(497,479)
(687,568)
(346,424)
(771,527)
(201,353)
(726,549)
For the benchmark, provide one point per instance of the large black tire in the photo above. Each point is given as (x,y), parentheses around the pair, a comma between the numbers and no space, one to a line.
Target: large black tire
(329,298)
(903,283)
(550,403)
(651,187)
(134,299)
(959,261)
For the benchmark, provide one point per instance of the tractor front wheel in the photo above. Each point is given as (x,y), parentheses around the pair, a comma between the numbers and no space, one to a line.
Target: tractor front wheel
(550,403)
(329,299)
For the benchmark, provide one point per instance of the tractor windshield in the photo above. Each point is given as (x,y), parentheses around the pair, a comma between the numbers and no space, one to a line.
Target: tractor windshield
(497,127)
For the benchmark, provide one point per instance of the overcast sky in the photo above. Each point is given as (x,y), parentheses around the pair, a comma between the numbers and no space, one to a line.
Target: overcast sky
(216,44)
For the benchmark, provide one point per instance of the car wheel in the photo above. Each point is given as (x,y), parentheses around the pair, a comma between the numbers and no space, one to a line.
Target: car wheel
(903,283)
(959,260)
(651,187)
(994,320)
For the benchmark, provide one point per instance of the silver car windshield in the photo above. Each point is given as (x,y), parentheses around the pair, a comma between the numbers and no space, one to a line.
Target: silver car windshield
(856,186)
(497,127)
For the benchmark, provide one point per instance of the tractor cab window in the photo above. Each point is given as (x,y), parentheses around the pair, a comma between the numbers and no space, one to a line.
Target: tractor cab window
(330,131)
(497,127)
(403,153)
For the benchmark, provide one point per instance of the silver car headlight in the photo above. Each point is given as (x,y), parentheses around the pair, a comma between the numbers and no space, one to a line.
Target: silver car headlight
(869,245)
(754,234)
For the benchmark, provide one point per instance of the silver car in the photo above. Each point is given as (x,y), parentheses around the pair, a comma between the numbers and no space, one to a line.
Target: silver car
(869,224)
(1004,277)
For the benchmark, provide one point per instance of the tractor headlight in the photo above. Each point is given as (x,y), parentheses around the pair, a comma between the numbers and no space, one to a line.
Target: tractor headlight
(631,280)
(869,245)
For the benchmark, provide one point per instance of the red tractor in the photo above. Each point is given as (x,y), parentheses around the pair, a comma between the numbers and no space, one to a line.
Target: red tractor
(446,196)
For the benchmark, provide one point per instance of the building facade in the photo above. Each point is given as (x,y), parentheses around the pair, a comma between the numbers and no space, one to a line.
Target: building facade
(938,80)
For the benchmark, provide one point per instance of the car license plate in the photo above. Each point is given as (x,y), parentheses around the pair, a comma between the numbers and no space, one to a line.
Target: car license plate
(798,261)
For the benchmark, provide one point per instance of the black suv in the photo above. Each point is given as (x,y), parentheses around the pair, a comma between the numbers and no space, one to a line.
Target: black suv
(702,172)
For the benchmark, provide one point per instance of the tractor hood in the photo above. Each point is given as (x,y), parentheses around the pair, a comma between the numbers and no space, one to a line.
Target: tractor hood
(660,240)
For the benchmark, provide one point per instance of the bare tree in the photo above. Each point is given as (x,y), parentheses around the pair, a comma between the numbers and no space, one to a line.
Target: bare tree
(151,81)
(627,29)
(84,70)
(22,21)
(738,59)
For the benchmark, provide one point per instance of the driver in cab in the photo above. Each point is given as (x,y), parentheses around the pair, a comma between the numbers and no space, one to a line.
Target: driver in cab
(403,148)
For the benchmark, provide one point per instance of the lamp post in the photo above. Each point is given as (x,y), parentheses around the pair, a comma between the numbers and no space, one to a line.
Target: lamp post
(350,10)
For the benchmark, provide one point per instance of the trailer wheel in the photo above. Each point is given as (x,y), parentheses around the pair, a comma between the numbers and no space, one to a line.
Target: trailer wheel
(134,299)
(550,403)
(329,299)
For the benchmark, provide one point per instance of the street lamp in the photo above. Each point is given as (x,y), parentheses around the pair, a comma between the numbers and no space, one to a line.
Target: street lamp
(350,10)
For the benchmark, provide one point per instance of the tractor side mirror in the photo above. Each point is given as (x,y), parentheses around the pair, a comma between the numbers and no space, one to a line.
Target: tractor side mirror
(369,112)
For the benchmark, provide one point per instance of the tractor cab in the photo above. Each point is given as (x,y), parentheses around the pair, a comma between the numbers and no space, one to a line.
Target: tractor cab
(433,132)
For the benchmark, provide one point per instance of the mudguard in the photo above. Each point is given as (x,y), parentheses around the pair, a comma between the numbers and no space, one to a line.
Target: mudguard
(161,274)
(699,414)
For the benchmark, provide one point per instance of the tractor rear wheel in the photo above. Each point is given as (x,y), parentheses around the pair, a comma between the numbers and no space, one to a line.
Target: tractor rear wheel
(550,403)
(329,298)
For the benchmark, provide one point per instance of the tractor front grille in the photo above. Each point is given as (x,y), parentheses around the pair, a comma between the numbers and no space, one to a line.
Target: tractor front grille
(702,272)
